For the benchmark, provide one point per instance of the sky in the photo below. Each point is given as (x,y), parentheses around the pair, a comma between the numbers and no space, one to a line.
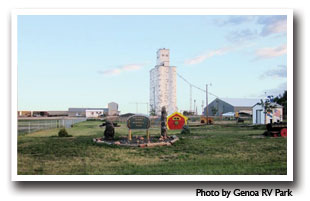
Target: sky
(89,61)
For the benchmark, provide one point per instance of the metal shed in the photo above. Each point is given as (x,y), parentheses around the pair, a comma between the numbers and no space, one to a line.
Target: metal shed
(262,117)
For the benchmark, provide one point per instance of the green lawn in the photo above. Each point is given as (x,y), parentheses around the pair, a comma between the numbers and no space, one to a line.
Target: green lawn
(226,149)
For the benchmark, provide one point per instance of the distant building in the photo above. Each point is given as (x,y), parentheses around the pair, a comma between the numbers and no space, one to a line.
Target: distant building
(220,106)
(94,113)
(57,113)
(260,117)
(113,109)
(81,112)
(163,84)
(24,113)
(39,113)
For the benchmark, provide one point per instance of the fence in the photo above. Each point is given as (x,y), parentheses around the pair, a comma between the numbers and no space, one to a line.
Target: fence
(29,126)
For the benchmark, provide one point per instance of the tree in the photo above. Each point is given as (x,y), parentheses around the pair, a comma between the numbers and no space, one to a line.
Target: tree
(152,111)
(282,100)
(267,106)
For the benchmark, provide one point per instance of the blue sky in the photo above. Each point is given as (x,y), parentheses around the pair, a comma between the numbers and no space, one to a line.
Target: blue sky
(89,61)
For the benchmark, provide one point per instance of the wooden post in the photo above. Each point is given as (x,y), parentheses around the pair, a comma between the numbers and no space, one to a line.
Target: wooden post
(129,135)
(148,135)
(207,115)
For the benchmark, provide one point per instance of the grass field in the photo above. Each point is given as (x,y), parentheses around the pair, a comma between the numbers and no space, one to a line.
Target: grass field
(225,149)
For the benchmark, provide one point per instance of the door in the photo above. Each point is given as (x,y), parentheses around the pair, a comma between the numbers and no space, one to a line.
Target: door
(258,116)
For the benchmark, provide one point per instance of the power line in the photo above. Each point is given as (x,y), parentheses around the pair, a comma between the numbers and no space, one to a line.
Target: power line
(191,85)
(137,106)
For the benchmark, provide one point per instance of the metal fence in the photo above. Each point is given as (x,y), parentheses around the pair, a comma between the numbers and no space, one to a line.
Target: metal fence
(29,126)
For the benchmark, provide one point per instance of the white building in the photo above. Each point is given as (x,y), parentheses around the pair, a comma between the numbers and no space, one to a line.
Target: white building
(113,109)
(163,86)
(260,117)
(93,113)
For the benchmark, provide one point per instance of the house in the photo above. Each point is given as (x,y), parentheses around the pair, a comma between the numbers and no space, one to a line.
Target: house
(261,117)
(39,113)
(24,113)
(94,113)
(81,112)
(219,106)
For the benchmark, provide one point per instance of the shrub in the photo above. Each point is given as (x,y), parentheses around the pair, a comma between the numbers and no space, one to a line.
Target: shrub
(63,133)
(185,130)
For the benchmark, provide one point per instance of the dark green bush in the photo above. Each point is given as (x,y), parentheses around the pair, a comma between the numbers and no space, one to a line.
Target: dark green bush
(63,133)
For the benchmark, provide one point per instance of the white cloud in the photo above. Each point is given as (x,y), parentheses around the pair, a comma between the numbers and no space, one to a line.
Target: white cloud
(273,24)
(235,20)
(270,52)
(116,71)
(279,72)
(131,67)
(270,25)
(242,36)
(202,57)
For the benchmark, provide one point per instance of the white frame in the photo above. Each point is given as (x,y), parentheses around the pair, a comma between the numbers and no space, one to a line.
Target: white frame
(288,177)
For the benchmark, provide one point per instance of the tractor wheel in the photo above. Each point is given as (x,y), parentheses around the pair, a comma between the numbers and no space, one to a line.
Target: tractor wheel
(284,132)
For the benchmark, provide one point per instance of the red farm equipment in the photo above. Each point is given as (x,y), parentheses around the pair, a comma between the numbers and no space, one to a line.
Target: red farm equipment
(276,129)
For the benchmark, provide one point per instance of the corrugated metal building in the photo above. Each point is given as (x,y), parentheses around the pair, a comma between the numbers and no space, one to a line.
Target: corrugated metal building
(220,106)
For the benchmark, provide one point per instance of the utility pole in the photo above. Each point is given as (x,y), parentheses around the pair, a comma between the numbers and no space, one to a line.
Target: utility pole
(207,103)
(137,105)
(206,91)
(202,107)
(195,107)
(190,98)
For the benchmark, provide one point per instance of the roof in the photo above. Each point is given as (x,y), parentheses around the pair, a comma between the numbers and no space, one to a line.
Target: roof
(229,114)
(273,104)
(178,114)
(57,112)
(84,109)
(127,115)
(241,102)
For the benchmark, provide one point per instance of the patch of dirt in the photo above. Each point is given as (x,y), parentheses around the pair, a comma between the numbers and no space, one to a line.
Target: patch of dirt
(258,136)
(139,141)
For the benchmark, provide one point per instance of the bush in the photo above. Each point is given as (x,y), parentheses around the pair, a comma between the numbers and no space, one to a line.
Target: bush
(93,119)
(185,130)
(63,133)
